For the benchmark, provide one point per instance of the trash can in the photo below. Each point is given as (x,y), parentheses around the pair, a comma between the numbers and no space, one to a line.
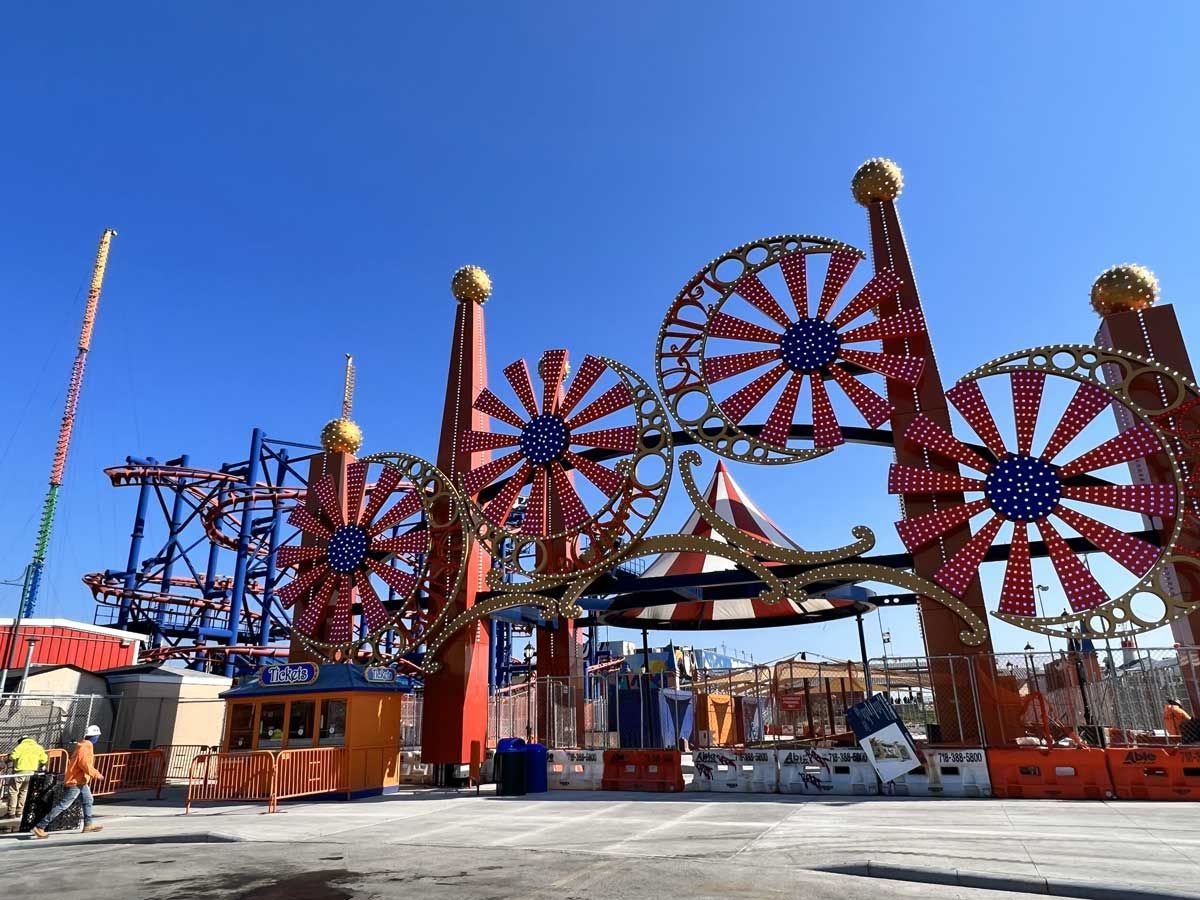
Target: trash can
(45,790)
(510,767)
(536,759)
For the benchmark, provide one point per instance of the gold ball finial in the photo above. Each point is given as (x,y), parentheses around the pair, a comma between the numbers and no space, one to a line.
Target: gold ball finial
(877,179)
(471,283)
(1124,287)
(341,436)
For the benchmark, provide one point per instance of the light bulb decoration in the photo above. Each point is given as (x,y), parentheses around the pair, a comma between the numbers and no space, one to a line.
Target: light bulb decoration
(606,413)
(1038,488)
(365,564)
(727,343)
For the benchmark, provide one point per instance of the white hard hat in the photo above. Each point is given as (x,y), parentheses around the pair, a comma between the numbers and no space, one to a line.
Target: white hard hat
(92,731)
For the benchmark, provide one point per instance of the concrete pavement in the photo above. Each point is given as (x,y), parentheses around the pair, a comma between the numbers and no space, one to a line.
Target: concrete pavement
(616,845)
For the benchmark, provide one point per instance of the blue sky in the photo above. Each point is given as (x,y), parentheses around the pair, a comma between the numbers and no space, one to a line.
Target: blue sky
(295,181)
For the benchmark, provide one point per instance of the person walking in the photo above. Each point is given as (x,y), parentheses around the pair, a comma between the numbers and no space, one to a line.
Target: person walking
(27,757)
(81,772)
(1174,715)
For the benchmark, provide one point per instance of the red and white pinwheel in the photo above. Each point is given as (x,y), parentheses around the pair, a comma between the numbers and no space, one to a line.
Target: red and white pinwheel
(349,543)
(546,434)
(801,344)
(1032,490)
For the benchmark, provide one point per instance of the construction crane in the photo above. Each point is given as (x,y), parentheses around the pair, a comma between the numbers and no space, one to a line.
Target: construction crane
(33,574)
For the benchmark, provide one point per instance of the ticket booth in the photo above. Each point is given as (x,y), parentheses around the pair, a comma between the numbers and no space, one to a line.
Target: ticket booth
(304,705)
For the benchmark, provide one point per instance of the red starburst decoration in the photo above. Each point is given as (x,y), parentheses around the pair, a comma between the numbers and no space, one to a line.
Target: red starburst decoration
(348,548)
(803,344)
(547,434)
(1025,489)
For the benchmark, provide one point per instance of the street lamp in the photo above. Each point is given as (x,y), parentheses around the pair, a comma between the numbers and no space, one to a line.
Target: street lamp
(1042,610)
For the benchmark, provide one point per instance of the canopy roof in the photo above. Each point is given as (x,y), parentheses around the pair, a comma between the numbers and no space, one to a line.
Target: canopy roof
(732,504)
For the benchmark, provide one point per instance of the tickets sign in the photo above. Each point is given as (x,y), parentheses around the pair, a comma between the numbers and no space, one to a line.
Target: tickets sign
(289,675)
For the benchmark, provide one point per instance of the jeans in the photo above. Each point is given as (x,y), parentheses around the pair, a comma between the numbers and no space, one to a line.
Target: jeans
(72,791)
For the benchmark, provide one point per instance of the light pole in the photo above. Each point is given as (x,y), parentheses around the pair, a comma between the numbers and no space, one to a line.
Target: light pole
(1042,610)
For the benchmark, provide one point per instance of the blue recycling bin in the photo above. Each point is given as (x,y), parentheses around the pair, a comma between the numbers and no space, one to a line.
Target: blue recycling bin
(510,767)
(536,779)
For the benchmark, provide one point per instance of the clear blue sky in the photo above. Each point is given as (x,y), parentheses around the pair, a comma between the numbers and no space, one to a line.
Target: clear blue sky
(293,181)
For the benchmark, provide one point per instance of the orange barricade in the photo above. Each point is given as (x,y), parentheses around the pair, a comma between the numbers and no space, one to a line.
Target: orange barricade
(130,770)
(57,762)
(315,770)
(1155,773)
(214,777)
(1066,773)
(642,770)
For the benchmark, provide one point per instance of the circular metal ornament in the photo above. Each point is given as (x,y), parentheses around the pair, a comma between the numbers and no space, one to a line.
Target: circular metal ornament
(796,340)
(530,560)
(1025,488)
(375,526)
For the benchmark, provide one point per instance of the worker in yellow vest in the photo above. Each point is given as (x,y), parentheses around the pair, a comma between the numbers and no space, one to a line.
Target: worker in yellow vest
(27,757)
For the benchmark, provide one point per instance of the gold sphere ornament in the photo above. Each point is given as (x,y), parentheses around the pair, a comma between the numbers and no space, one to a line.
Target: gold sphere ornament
(471,283)
(877,179)
(1125,287)
(341,436)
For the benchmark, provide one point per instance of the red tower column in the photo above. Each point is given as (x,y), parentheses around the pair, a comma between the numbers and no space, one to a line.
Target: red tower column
(876,185)
(1124,296)
(456,698)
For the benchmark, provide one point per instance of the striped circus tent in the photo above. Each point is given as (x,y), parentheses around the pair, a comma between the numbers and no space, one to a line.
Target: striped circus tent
(732,504)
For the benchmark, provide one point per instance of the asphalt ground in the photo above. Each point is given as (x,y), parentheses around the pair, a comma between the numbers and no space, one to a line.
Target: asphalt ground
(435,844)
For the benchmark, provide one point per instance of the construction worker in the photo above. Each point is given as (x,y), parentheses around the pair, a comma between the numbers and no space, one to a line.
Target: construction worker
(27,757)
(1174,715)
(81,772)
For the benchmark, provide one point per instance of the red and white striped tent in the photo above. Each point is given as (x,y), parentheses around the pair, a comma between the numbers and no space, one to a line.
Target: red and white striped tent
(730,503)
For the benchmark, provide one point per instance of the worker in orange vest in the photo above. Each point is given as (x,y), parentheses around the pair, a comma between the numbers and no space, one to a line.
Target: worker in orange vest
(81,772)
(1174,715)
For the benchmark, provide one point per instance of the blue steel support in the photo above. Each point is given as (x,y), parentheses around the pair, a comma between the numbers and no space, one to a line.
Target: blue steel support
(264,631)
(174,527)
(135,541)
(210,570)
(238,599)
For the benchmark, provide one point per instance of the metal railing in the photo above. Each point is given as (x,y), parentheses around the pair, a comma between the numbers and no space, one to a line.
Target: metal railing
(230,777)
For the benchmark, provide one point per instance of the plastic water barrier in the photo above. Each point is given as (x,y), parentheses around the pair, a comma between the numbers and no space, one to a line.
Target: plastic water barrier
(735,771)
(1155,773)
(642,770)
(575,770)
(412,770)
(948,772)
(826,770)
(1066,773)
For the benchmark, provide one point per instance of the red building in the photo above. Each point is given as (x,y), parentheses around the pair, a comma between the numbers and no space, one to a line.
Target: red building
(63,642)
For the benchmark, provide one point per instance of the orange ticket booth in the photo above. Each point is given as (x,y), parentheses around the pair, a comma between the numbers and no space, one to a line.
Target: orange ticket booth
(300,706)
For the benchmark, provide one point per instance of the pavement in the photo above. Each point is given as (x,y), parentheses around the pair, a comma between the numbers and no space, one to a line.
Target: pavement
(575,844)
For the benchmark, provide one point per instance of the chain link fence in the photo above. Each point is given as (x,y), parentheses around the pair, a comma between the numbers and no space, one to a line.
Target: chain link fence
(1092,696)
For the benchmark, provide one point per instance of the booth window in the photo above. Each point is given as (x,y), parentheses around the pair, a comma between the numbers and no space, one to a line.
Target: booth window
(241,726)
(270,726)
(333,723)
(300,724)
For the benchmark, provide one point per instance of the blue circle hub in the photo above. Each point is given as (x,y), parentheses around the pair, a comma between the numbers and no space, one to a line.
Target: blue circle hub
(1023,488)
(809,345)
(544,439)
(348,548)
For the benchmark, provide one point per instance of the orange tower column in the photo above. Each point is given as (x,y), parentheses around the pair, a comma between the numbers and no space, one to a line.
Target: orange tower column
(876,185)
(456,698)
(1125,297)
(341,438)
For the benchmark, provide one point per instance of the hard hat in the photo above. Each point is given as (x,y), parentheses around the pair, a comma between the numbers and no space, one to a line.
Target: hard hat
(92,731)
